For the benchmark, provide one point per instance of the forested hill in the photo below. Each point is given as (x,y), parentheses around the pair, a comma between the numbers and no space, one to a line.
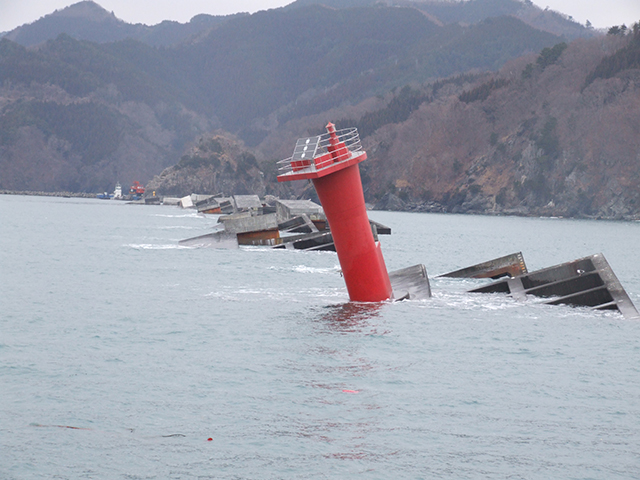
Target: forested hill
(555,133)
(78,115)
(551,134)
(305,60)
(459,110)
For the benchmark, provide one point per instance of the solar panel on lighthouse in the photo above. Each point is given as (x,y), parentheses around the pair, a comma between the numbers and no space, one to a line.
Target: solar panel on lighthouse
(306,148)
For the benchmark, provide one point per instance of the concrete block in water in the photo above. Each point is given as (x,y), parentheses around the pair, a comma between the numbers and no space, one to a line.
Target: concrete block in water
(288,209)
(510,265)
(410,283)
(226,206)
(246,202)
(379,228)
(219,239)
(204,200)
(587,282)
(186,202)
(301,224)
(262,237)
(244,222)
(198,197)
(309,241)
(210,203)
(170,201)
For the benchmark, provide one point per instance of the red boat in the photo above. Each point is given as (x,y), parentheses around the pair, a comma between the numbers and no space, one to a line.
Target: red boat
(136,189)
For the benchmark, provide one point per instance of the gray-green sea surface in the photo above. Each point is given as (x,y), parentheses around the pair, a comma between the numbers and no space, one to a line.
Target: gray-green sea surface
(124,355)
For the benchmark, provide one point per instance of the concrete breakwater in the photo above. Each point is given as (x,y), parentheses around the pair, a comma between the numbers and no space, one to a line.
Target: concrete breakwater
(49,194)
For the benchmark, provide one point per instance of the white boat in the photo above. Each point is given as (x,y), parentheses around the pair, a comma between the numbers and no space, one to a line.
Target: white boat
(118,191)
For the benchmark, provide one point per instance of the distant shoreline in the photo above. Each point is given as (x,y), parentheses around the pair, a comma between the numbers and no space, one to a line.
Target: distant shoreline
(410,208)
(49,194)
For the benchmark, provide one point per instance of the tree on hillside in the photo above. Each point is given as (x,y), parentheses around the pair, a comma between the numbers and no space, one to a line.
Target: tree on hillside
(628,57)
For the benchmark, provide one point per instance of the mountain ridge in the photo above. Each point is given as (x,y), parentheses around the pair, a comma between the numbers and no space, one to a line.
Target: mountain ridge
(87,20)
(443,132)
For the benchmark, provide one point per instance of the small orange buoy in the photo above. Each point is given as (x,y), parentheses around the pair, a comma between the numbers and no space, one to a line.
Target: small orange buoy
(209,439)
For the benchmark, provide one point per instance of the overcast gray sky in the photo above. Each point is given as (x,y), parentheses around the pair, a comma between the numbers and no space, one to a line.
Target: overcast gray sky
(13,13)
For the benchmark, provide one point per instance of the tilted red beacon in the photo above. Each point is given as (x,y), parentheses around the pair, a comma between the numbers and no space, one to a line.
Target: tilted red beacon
(331,161)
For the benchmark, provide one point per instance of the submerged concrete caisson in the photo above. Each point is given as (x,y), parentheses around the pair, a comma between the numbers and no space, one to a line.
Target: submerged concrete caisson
(585,282)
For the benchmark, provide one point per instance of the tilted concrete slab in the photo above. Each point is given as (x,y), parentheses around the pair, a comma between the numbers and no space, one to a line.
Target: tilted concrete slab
(226,206)
(198,197)
(186,202)
(309,241)
(301,224)
(380,229)
(288,209)
(219,239)
(243,222)
(411,283)
(588,282)
(246,202)
(510,265)
(207,204)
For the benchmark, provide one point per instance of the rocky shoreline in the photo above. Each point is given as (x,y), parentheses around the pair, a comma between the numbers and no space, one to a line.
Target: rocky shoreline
(391,202)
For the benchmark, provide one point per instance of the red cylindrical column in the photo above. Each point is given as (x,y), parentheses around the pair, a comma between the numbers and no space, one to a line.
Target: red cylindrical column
(363,267)
(336,177)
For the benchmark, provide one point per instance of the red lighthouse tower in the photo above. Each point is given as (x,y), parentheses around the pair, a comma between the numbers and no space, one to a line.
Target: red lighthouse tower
(331,161)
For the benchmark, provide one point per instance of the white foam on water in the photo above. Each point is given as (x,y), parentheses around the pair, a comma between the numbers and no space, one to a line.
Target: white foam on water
(307,269)
(180,215)
(151,246)
(301,295)
(179,227)
(285,251)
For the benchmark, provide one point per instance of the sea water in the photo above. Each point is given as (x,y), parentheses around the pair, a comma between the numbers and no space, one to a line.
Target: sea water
(124,355)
